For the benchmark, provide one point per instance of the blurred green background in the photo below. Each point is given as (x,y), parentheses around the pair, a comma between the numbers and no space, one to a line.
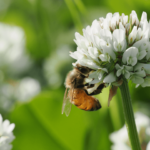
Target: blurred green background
(49,27)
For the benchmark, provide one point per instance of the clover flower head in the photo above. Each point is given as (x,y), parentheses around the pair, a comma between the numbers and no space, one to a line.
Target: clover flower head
(120,138)
(26,89)
(116,47)
(12,50)
(6,135)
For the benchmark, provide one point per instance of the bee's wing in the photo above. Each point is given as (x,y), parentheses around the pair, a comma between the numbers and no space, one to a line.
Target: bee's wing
(66,107)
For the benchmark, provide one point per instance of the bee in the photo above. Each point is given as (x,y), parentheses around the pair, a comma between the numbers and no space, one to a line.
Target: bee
(76,92)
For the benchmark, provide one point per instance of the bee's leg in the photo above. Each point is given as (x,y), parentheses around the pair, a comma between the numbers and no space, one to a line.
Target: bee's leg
(93,93)
(89,85)
(97,91)
(85,86)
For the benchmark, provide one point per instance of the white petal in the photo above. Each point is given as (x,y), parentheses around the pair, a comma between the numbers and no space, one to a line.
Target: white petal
(142,45)
(96,42)
(87,33)
(93,52)
(121,26)
(76,55)
(127,27)
(106,35)
(141,54)
(109,15)
(104,69)
(95,28)
(115,20)
(131,61)
(108,49)
(125,20)
(101,19)
(78,36)
(139,43)
(144,17)
(134,18)
(136,79)
(138,67)
(113,23)
(94,74)
(117,66)
(145,27)
(129,68)
(141,66)
(100,76)
(141,73)
(146,68)
(130,52)
(103,57)
(111,77)
(11,128)
(82,51)
(6,124)
(105,24)
(139,34)
(127,74)
(88,63)
(146,82)
(132,35)
(81,41)
(118,73)
(119,41)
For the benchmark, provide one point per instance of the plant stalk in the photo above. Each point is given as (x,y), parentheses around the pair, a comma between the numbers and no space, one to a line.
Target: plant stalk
(129,116)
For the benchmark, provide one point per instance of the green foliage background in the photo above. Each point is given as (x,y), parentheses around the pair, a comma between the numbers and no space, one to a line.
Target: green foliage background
(49,24)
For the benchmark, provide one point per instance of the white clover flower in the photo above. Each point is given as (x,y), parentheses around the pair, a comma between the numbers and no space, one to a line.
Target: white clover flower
(117,44)
(6,134)
(21,90)
(26,89)
(12,50)
(120,138)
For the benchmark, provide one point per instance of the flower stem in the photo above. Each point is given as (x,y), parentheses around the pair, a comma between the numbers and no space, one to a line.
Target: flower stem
(129,116)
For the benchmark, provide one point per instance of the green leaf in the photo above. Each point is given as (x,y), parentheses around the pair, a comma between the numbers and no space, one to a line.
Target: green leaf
(40,124)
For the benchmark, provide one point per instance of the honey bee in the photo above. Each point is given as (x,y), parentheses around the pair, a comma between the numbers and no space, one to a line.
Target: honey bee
(76,92)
